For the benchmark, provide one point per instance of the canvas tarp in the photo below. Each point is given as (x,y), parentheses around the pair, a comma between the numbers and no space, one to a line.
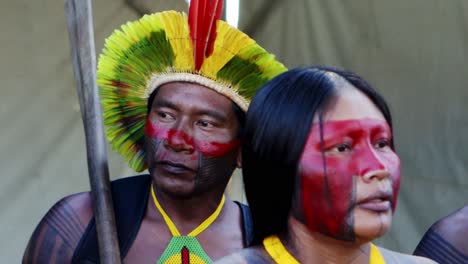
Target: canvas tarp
(415,52)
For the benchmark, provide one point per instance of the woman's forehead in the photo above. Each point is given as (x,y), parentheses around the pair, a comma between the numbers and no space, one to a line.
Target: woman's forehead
(362,127)
(349,103)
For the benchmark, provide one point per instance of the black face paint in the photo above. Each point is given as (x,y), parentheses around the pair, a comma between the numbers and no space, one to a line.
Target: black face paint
(186,165)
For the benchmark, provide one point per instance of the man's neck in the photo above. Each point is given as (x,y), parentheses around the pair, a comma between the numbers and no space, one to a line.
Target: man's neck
(313,247)
(187,212)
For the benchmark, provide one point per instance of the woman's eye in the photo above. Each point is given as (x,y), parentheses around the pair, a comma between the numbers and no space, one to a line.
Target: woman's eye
(340,148)
(382,144)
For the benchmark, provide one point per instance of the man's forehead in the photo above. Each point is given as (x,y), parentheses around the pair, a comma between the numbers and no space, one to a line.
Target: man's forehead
(176,89)
(184,95)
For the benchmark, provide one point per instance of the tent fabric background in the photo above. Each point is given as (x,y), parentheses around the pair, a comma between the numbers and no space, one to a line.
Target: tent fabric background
(415,52)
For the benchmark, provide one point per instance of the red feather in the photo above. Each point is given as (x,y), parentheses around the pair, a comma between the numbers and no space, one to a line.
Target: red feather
(203,15)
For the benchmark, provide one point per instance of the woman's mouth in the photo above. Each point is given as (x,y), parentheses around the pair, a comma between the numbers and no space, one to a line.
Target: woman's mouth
(380,202)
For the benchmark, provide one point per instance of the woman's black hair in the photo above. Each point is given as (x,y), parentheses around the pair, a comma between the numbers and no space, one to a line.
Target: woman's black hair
(278,122)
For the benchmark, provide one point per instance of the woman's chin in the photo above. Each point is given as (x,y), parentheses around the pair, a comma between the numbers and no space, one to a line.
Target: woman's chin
(370,225)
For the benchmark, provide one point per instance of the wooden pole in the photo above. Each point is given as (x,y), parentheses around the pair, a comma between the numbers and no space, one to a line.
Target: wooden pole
(80,30)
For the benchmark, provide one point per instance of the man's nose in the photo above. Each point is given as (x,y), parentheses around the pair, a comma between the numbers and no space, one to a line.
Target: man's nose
(180,139)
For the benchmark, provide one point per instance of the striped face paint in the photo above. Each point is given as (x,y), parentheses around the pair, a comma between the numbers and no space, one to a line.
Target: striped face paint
(173,153)
(191,139)
(209,149)
(329,169)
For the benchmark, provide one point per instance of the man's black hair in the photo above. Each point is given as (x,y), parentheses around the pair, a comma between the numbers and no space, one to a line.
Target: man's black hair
(278,122)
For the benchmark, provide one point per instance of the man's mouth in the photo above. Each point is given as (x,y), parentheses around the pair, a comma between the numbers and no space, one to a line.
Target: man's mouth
(173,167)
(377,202)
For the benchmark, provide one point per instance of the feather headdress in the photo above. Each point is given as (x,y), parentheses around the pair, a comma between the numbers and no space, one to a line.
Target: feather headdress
(167,47)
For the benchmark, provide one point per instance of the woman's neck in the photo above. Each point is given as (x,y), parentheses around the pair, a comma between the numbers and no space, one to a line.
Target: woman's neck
(308,247)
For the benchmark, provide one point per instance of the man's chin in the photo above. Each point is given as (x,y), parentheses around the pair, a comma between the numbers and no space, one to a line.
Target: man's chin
(176,187)
(180,194)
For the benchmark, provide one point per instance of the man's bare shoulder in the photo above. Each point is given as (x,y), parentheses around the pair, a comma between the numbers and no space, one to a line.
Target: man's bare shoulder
(252,255)
(454,228)
(400,258)
(58,233)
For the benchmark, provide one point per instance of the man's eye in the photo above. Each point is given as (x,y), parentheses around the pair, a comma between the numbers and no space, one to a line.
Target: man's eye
(164,116)
(204,123)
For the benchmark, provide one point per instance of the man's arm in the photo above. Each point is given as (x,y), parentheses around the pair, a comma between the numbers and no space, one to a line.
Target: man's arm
(55,238)
(400,258)
(445,241)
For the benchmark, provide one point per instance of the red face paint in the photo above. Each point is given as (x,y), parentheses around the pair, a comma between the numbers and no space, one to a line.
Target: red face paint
(175,137)
(351,148)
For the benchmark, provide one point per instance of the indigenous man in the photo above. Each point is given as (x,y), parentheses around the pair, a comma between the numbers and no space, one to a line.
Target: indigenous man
(446,241)
(174,94)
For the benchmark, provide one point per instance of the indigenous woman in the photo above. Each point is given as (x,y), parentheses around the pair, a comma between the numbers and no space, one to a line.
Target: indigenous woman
(320,170)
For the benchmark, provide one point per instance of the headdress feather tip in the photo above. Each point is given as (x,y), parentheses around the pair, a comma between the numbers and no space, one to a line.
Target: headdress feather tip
(202,19)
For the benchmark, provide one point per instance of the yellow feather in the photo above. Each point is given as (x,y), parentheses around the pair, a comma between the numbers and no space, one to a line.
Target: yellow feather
(178,33)
(229,41)
(122,62)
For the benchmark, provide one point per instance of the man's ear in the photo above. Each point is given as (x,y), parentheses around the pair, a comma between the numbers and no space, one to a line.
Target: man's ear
(239,159)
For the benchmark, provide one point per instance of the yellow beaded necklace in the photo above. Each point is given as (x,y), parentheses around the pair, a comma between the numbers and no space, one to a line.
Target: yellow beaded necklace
(280,254)
(185,249)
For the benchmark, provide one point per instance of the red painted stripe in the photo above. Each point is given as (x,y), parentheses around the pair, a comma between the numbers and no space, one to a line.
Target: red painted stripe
(185,255)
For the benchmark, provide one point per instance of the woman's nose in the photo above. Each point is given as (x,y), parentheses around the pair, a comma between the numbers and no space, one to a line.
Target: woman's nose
(371,165)
(379,174)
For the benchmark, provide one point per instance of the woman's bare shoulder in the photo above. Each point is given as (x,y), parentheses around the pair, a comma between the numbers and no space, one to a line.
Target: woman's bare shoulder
(400,258)
(251,255)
